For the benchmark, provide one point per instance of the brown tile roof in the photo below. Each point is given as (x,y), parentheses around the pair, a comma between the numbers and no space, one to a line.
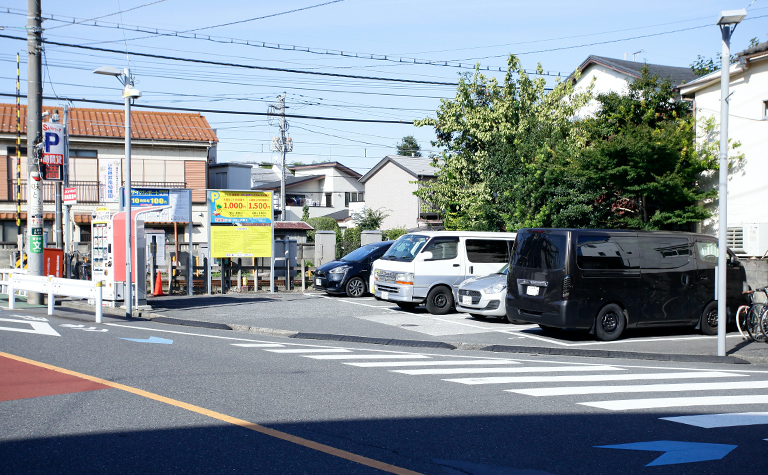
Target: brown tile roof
(109,123)
(297,225)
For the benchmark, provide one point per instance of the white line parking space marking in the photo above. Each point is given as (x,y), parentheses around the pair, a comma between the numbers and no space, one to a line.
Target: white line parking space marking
(590,377)
(633,404)
(524,369)
(311,350)
(41,328)
(647,388)
(363,357)
(259,345)
(711,421)
(389,364)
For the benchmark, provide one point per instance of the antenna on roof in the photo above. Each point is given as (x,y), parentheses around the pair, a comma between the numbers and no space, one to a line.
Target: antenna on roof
(634,55)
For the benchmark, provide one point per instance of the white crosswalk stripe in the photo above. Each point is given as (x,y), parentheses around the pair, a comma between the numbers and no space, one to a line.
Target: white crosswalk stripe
(666,402)
(591,377)
(259,345)
(394,364)
(640,388)
(363,357)
(711,421)
(524,369)
(310,350)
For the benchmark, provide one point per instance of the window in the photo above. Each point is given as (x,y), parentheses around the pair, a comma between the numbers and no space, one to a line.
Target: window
(12,151)
(443,248)
(329,200)
(664,253)
(482,251)
(606,252)
(352,197)
(295,200)
(539,250)
(405,248)
(707,252)
(83,153)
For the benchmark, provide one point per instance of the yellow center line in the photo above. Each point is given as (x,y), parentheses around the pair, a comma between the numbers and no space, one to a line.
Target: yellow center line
(229,419)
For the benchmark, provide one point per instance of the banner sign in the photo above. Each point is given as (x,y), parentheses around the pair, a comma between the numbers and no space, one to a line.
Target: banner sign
(52,167)
(110,180)
(69,196)
(179,200)
(241,223)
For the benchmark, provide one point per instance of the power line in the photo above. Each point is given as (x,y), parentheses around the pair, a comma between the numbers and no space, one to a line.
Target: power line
(216,111)
(104,16)
(235,65)
(263,17)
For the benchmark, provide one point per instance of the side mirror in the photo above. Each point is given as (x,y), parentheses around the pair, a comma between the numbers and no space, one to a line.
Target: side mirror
(426,255)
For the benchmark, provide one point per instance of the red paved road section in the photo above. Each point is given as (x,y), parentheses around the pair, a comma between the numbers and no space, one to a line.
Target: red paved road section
(22,380)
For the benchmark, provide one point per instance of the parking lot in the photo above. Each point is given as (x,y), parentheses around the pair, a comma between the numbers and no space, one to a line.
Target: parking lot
(315,312)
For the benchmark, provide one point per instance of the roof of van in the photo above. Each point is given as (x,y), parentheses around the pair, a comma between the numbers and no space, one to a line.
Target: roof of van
(465,234)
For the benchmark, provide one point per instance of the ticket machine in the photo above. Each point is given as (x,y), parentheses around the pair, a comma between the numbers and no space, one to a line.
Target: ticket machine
(108,255)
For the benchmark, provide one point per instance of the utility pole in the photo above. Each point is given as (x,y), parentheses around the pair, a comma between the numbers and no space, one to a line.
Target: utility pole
(58,230)
(34,143)
(282,144)
(67,208)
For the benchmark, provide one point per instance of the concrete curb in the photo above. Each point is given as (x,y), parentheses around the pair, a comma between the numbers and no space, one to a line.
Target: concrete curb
(531,350)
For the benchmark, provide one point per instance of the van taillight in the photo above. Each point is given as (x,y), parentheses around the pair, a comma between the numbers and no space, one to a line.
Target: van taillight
(566,287)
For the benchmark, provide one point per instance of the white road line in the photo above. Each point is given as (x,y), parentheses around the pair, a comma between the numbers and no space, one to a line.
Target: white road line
(310,350)
(355,303)
(590,377)
(711,421)
(644,388)
(524,369)
(259,345)
(362,357)
(388,364)
(632,404)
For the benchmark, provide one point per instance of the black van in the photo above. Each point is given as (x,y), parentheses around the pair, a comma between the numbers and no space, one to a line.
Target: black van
(607,280)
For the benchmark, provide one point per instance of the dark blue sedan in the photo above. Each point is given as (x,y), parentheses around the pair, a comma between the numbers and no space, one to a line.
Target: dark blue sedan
(350,274)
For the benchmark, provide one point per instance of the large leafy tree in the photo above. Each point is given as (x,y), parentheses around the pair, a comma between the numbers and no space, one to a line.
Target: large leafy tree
(507,150)
(409,146)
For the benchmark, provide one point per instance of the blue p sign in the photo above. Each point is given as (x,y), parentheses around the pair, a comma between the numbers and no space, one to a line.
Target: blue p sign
(51,138)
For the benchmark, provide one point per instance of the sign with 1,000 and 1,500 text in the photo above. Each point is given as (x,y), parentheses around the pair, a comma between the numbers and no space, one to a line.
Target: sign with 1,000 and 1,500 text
(241,223)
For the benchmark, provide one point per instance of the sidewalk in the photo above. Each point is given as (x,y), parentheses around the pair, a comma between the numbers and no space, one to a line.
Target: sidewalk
(315,316)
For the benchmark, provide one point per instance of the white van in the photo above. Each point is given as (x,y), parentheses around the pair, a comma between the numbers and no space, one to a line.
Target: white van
(427,267)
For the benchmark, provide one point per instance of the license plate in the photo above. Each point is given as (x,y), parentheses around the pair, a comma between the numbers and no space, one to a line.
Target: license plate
(532,290)
(384,294)
(466,300)
(318,282)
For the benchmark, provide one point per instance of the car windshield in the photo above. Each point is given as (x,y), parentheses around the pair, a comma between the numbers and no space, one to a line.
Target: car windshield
(360,254)
(405,248)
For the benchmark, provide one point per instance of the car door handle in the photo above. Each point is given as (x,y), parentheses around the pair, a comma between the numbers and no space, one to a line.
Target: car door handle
(456,265)
(684,279)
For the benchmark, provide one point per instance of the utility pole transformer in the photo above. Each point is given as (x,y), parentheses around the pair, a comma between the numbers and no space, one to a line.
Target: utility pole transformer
(282,144)
(34,145)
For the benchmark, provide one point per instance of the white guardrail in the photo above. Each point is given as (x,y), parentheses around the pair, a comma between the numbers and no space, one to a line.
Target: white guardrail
(11,281)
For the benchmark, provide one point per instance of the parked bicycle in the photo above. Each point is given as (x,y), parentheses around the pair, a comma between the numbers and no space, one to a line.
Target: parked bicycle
(753,318)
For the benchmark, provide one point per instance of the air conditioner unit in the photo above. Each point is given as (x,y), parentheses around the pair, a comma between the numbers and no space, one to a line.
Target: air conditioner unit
(748,239)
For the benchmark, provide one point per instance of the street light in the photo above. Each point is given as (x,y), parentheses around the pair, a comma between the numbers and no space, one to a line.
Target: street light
(727,22)
(129,92)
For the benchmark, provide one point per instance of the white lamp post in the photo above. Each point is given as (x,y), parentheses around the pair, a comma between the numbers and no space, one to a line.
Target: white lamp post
(727,23)
(129,92)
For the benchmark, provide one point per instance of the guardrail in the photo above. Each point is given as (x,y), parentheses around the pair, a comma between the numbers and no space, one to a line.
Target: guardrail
(54,286)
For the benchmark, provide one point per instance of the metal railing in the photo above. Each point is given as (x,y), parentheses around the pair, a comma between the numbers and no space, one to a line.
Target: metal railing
(87,191)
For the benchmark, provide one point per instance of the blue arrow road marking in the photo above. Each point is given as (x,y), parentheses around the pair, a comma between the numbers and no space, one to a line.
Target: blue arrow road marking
(152,339)
(677,452)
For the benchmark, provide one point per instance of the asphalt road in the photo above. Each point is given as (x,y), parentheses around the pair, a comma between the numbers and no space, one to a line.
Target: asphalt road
(145,397)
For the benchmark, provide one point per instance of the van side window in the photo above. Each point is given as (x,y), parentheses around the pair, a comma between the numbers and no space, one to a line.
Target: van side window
(606,252)
(664,252)
(707,252)
(483,251)
(443,248)
(538,250)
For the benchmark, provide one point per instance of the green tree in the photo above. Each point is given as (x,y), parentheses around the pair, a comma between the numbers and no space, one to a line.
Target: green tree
(394,233)
(507,151)
(703,66)
(369,219)
(409,147)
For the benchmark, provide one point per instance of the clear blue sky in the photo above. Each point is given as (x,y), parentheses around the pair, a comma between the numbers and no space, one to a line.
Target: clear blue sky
(557,34)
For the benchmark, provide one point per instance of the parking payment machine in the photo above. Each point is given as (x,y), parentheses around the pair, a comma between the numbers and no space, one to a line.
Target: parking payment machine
(103,256)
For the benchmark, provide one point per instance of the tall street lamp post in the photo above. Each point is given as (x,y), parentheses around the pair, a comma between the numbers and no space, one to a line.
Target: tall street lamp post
(727,22)
(129,92)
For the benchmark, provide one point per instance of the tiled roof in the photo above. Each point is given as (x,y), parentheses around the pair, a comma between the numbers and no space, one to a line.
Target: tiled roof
(293,225)
(674,74)
(419,167)
(336,165)
(149,125)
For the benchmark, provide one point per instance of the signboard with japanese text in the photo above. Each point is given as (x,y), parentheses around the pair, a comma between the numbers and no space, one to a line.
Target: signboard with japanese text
(52,167)
(69,195)
(179,200)
(110,180)
(241,223)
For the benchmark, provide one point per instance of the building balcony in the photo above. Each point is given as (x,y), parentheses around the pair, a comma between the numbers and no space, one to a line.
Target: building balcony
(87,191)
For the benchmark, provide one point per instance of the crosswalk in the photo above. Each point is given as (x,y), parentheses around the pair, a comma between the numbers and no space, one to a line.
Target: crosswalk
(583,384)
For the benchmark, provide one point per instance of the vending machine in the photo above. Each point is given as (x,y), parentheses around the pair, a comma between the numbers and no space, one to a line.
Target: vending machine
(108,256)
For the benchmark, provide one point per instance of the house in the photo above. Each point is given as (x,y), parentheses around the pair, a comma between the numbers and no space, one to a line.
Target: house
(168,150)
(229,176)
(748,124)
(325,187)
(389,186)
(613,75)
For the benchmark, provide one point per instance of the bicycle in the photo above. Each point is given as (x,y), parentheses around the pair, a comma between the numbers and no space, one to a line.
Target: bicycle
(753,317)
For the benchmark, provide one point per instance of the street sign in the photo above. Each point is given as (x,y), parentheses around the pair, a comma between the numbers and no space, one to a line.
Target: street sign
(52,167)
(70,196)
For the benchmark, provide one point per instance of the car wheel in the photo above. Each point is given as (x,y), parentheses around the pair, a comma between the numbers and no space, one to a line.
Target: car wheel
(610,323)
(709,319)
(355,287)
(440,300)
(407,305)
(477,316)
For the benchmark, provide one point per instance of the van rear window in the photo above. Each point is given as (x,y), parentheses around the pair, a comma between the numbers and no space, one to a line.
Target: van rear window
(542,251)
(482,251)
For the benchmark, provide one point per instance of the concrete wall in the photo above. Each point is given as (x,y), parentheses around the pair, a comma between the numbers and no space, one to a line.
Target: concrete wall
(390,189)
(757,274)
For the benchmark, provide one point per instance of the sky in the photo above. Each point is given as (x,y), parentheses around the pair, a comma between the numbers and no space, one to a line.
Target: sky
(341,36)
